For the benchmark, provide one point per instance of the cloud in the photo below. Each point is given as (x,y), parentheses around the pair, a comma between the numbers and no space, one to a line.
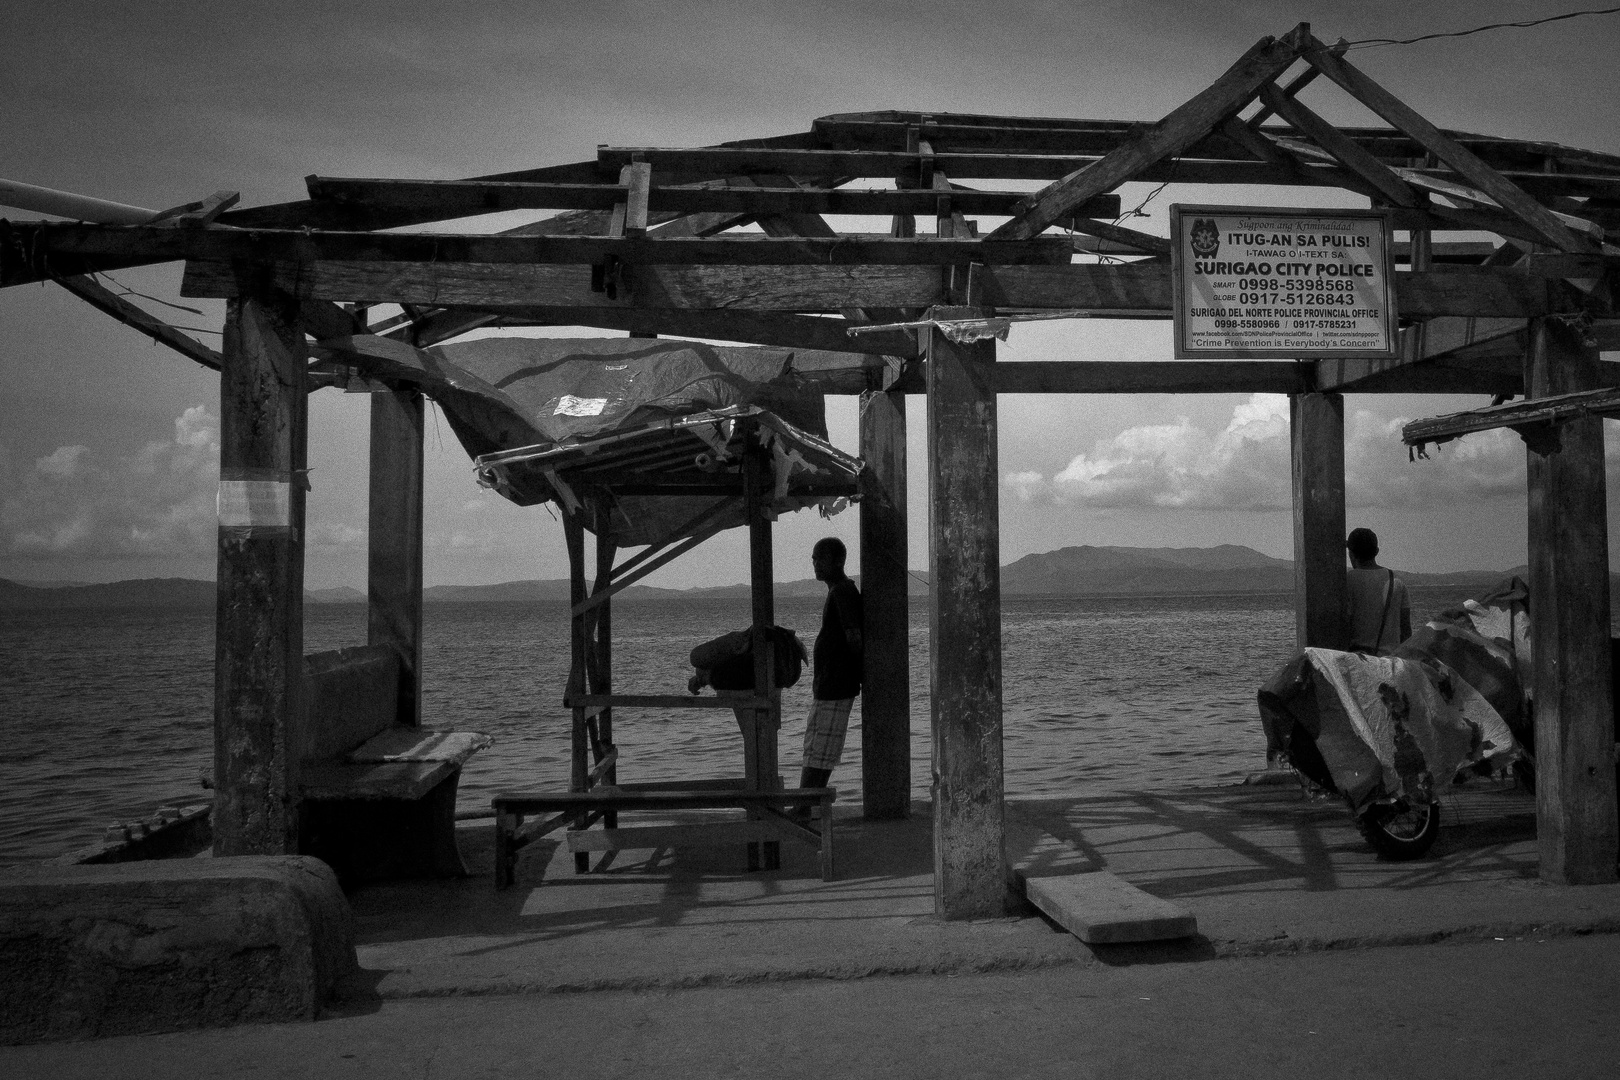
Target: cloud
(156,501)
(1179,465)
(1245,466)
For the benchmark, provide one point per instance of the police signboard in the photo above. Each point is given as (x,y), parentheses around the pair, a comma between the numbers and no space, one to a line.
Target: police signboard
(1265,282)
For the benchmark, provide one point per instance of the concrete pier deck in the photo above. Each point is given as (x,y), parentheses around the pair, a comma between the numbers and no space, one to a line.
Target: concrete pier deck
(1281,886)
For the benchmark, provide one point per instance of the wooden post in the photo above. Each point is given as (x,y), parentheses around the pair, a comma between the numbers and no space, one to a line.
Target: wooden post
(600,657)
(259,638)
(579,747)
(1576,827)
(759,749)
(886,682)
(964,617)
(1316,430)
(394,562)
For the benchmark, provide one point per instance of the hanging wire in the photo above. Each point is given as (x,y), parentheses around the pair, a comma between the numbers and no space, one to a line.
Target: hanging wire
(125,290)
(1374,43)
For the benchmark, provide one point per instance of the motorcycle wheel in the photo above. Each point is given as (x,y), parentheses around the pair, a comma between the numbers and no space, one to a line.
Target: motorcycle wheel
(1401,832)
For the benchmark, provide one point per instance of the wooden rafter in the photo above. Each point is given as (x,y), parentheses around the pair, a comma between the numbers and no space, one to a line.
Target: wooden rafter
(103,299)
(1477,173)
(1345,151)
(1269,58)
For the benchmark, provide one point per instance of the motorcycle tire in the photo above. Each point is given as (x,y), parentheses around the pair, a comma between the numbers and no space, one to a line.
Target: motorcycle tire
(1400,832)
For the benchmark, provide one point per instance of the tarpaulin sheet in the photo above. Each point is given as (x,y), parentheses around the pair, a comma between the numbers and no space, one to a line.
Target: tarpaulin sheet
(1450,696)
(506,393)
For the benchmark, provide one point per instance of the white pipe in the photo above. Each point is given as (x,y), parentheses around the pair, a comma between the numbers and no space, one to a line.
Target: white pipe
(43,200)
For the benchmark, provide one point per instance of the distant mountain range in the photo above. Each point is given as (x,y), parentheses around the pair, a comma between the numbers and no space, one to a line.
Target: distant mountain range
(1070,571)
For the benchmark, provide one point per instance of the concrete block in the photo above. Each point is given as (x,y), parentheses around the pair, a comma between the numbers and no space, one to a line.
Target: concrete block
(1101,909)
(138,947)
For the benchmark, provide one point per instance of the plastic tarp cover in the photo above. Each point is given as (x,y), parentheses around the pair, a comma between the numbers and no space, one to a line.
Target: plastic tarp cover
(1451,696)
(506,393)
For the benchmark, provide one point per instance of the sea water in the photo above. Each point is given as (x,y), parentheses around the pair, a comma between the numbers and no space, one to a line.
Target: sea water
(106,715)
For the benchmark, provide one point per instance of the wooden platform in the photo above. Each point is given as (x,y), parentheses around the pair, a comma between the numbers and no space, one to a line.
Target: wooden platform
(1101,909)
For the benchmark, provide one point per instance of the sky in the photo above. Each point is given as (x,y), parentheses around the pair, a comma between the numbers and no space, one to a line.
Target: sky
(109,444)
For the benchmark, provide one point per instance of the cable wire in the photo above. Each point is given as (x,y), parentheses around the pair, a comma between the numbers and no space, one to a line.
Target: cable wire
(1374,43)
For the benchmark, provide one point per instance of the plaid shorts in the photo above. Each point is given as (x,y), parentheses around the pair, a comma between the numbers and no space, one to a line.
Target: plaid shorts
(824,732)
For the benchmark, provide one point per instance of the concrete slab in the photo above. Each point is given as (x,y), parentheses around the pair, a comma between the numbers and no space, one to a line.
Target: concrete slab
(1101,909)
(1265,870)
(160,946)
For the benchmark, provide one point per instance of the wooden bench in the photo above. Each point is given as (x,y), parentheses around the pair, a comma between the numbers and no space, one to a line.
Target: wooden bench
(581,808)
(377,798)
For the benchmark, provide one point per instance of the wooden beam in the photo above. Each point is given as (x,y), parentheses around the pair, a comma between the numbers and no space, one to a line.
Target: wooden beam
(1316,437)
(1288,160)
(885,595)
(72,241)
(259,643)
(1544,412)
(105,300)
(1141,287)
(1344,150)
(1268,58)
(749,327)
(1479,174)
(964,627)
(1441,337)
(465,198)
(886,130)
(760,726)
(394,540)
(1577,833)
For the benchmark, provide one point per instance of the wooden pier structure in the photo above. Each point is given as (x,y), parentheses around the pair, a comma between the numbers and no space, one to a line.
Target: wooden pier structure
(1505,286)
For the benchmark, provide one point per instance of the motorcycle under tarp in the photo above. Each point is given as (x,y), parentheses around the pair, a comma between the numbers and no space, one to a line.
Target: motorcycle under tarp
(1394,729)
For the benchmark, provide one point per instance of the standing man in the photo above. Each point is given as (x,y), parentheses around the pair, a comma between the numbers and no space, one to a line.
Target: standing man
(1380,615)
(837,658)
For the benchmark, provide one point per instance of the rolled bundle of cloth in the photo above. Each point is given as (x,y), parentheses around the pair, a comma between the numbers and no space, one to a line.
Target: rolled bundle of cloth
(1398,726)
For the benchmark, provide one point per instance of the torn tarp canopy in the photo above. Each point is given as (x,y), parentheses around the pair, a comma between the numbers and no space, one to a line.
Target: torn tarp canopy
(539,394)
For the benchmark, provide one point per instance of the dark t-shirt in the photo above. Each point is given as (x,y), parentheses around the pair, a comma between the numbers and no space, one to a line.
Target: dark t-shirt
(838,667)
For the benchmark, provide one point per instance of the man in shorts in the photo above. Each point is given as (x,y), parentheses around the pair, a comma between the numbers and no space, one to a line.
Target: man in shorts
(837,659)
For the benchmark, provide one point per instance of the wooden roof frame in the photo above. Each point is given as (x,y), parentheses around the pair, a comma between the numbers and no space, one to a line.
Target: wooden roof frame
(643,242)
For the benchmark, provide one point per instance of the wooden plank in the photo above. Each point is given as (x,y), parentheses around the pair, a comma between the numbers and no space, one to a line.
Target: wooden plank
(964,626)
(1050,135)
(622,799)
(1191,121)
(409,780)
(1134,287)
(109,302)
(1577,834)
(155,244)
(780,288)
(1101,909)
(644,837)
(1553,409)
(1477,173)
(885,595)
(394,540)
(1344,150)
(466,198)
(749,327)
(637,180)
(1316,439)
(259,639)
(696,165)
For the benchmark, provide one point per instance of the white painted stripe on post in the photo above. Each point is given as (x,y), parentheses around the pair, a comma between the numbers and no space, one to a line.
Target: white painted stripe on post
(251,503)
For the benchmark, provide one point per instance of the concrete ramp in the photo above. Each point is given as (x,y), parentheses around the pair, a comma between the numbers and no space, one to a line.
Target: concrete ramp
(1101,909)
